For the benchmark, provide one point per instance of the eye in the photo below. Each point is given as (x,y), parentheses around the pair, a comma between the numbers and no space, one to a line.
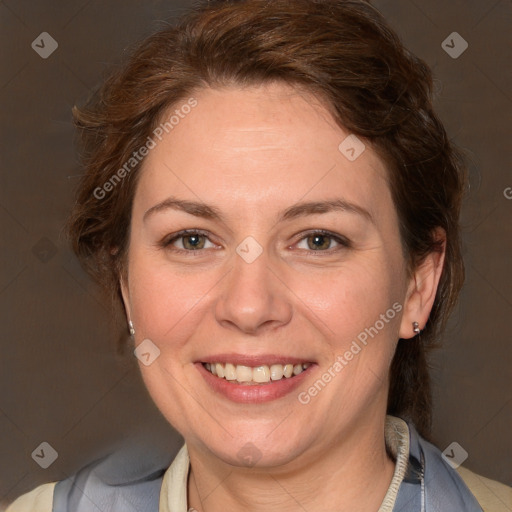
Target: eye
(188,240)
(322,241)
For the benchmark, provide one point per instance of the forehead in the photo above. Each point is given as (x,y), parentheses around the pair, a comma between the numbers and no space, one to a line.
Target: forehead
(243,146)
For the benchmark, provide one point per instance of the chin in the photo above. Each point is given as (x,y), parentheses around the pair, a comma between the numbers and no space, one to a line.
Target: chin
(259,446)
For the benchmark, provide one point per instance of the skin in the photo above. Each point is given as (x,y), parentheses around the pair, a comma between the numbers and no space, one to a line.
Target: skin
(252,153)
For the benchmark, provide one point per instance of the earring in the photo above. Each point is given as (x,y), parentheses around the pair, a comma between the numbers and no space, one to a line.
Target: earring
(132,330)
(416,327)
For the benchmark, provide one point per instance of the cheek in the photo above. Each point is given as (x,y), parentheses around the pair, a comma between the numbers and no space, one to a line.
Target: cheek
(349,299)
(165,302)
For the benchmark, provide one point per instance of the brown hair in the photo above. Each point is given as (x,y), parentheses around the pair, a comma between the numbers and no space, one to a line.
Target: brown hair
(345,54)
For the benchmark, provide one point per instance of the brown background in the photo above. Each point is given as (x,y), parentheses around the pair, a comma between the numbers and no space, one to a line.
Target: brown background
(60,379)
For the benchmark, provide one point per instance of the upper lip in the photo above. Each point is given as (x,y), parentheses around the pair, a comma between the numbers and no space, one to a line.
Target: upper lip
(254,360)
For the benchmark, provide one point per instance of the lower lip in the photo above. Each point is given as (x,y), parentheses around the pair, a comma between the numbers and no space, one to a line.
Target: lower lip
(253,393)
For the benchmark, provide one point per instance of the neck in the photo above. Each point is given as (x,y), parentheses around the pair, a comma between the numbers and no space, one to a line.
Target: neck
(352,475)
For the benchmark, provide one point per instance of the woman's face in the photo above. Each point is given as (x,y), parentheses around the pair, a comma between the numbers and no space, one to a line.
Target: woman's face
(292,257)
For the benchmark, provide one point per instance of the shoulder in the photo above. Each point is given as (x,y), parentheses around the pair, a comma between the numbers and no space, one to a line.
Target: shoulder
(38,500)
(460,487)
(493,496)
(126,480)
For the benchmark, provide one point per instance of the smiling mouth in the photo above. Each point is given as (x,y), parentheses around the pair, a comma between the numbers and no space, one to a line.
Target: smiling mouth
(239,374)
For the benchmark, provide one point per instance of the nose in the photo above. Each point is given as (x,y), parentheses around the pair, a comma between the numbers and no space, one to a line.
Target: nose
(253,299)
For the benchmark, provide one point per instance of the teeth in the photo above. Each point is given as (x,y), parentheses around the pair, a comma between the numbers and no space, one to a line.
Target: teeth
(230,372)
(288,370)
(243,373)
(220,370)
(297,369)
(259,375)
(276,372)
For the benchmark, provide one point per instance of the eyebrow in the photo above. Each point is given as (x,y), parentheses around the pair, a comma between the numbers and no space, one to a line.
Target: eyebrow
(298,210)
(315,207)
(191,207)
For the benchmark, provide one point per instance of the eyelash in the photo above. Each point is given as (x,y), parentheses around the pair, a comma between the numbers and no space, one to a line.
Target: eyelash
(341,240)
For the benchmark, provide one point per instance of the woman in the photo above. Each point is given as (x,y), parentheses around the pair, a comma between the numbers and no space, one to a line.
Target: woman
(275,204)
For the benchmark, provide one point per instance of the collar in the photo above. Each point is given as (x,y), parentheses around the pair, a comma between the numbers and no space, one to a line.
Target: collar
(173,496)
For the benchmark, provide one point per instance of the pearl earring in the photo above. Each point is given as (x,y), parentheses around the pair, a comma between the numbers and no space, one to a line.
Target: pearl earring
(416,327)
(132,330)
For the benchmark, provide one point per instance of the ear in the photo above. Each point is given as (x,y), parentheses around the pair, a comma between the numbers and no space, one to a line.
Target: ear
(422,289)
